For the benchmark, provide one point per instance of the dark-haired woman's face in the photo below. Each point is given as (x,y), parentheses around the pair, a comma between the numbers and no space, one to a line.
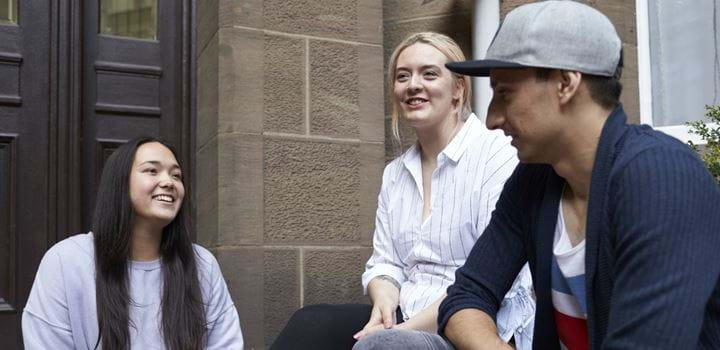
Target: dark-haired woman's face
(156,187)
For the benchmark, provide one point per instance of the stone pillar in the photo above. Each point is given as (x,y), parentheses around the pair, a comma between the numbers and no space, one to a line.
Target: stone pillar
(290,151)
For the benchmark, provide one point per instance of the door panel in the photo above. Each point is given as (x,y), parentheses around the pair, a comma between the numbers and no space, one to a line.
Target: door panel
(24,163)
(130,86)
(69,97)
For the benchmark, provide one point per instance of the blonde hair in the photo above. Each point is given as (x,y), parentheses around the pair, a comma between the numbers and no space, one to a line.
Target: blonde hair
(451,50)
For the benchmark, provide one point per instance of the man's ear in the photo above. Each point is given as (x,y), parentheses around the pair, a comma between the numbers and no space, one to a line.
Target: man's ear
(568,85)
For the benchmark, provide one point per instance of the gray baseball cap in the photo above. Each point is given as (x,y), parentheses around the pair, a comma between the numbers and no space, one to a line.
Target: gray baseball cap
(551,34)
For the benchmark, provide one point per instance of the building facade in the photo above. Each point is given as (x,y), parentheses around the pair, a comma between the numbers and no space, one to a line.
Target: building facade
(279,107)
(293,133)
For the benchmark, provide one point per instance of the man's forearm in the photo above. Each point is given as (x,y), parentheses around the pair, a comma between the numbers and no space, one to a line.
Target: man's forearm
(473,329)
(425,320)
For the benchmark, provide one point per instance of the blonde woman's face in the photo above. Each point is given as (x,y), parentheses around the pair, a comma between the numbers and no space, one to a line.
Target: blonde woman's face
(426,92)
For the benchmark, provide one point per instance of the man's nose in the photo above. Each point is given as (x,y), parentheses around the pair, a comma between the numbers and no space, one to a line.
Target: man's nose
(494,118)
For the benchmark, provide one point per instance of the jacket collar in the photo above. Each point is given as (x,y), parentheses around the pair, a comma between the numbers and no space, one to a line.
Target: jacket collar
(613,129)
(597,223)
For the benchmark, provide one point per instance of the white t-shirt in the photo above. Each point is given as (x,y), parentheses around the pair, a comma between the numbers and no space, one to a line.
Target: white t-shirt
(568,288)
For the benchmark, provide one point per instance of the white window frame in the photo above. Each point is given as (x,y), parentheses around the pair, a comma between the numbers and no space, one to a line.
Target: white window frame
(680,132)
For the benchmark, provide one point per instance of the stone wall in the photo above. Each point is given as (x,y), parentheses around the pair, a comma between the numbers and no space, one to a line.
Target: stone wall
(293,132)
(290,151)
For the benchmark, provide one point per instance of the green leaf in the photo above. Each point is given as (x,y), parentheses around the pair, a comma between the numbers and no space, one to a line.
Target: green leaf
(711,152)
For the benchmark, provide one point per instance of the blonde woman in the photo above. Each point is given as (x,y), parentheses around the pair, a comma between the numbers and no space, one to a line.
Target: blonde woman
(435,200)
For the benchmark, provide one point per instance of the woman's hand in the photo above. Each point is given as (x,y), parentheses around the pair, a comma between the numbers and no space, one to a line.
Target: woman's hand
(385,296)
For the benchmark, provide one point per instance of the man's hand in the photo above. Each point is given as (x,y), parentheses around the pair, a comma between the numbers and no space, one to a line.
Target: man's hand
(385,296)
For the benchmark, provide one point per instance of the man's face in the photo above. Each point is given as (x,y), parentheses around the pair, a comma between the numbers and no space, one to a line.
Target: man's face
(526,109)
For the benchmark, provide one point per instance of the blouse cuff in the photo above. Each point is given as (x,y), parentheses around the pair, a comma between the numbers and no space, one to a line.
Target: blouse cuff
(517,311)
(382,269)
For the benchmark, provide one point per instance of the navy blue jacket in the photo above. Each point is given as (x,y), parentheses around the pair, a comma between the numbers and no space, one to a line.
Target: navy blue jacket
(652,264)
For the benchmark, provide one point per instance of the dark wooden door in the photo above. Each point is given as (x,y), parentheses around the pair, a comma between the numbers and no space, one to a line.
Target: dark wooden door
(68,97)
(132,86)
(24,159)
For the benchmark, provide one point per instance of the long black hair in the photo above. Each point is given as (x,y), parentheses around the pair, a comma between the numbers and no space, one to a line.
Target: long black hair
(183,314)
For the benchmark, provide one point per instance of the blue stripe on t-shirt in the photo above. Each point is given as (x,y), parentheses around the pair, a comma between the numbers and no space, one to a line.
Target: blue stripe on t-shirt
(574,286)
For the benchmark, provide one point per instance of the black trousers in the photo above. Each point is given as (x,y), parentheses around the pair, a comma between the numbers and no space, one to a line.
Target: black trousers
(319,327)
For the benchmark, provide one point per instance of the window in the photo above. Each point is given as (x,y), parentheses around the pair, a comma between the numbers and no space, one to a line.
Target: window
(678,62)
(129,18)
(8,11)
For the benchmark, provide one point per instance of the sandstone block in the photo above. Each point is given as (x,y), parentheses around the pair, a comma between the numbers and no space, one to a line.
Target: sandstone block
(371,169)
(457,26)
(281,289)
(622,14)
(246,13)
(241,98)
(371,83)
(240,189)
(206,194)
(207,22)
(284,88)
(353,20)
(630,97)
(207,94)
(370,25)
(245,276)
(406,9)
(311,192)
(334,276)
(334,89)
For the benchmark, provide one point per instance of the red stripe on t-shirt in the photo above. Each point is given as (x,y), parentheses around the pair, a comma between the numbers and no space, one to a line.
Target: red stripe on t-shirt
(572,331)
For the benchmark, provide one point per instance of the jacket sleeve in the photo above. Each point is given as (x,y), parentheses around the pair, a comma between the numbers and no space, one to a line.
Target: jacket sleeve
(666,221)
(494,261)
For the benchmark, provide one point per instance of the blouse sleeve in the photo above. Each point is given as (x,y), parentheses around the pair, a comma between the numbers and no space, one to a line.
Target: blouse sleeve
(224,330)
(45,319)
(384,259)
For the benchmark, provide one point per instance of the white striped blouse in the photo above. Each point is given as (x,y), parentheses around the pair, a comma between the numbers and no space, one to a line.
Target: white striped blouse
(423,256)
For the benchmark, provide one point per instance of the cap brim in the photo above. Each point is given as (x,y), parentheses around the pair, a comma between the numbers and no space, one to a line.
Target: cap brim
(479,68)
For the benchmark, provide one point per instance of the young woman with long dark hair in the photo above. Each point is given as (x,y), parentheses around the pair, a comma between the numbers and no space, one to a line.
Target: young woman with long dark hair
(136,281)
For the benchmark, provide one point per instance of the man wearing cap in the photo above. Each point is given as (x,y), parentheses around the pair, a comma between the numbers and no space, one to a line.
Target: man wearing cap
(620,224)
